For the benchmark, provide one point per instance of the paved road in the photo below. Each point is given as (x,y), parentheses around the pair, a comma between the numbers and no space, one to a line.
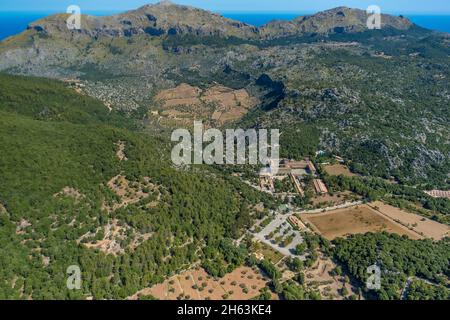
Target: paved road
(408,283)
(341,206)
(406,287)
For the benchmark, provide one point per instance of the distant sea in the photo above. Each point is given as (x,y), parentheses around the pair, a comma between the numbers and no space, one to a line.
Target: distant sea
(14,22)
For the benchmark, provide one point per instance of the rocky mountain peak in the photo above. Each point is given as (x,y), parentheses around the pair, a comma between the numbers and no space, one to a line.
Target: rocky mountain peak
(163,18)
(165,5)
(336,20)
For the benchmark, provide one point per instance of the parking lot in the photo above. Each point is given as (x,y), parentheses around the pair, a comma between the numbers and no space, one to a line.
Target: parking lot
(280,222)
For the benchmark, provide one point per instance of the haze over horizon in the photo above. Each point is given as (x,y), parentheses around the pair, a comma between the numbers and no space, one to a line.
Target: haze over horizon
(257,6)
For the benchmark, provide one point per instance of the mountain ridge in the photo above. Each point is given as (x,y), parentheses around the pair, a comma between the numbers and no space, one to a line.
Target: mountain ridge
(153,19)
(166,18)
(332,21)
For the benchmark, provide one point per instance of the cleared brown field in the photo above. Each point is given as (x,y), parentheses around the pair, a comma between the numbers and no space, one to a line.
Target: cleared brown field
(339,169)
(183,91)
(243,283)
(421,225)
(354,220)
(336,199)
(217,103)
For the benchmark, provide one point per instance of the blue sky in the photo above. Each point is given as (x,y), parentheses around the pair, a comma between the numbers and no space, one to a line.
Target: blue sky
(388,6)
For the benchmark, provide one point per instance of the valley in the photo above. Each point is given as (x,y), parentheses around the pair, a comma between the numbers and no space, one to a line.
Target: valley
(87,177)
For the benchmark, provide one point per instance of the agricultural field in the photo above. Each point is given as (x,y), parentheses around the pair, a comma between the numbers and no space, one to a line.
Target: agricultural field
(218,103)
(244,283)
(335,199)
(421,225)
(338,169)
(354,220)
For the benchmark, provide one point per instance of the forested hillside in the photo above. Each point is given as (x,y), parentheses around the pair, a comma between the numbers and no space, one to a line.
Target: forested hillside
(59,150)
